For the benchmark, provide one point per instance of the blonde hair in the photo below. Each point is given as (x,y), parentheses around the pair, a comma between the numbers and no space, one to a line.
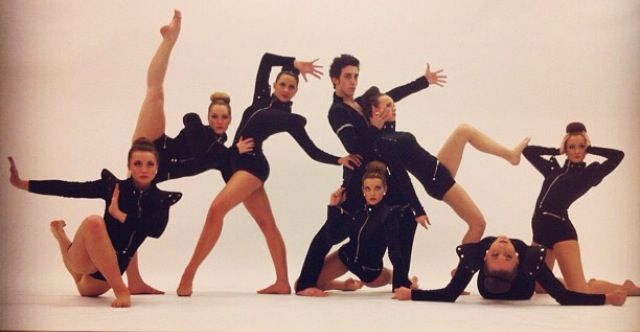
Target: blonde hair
(220,98)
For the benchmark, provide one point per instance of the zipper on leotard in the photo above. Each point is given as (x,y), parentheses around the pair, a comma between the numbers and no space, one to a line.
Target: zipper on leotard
(551,185)
(436,170)
(553,215)
(359,234)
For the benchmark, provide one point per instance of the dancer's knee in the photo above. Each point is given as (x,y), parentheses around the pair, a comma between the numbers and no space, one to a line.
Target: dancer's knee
(93,224)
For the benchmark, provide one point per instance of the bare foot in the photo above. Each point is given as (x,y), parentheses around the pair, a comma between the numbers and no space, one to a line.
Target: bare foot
(123,300)
(312,292)
(631,288)
(277,288)
(186,286)
(414,282)
(171,31)
(144,289)
(514,159)
(352,284)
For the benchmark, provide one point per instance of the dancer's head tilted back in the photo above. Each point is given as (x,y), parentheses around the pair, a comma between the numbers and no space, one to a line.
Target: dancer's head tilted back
(500,265)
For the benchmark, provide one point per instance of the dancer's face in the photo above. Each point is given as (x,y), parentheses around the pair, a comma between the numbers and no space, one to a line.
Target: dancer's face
(219,118)
(501,255)
(143,167)
(373,190)
(576,148)
(285,87)
(346,84)
(386,106)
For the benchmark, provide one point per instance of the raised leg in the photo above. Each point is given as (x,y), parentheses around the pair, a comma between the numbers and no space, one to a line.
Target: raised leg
(241,185)
(260,209)
(151,119)
(452,150)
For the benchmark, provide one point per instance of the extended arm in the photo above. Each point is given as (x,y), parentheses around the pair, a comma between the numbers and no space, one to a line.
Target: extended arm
(456,286)
(262,90)
(614,157)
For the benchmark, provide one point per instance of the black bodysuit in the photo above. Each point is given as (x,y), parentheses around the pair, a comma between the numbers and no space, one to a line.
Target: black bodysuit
(531,268)
(147,211)
(358,137)
(267,116)
(561,187)
(371,230)
(196,149)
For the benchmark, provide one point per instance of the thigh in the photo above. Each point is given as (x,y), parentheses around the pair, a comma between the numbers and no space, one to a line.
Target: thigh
(259,207)
(567,253)
(383,279)
(241,185)
(462,204)
(89,286)
(78,257)
(332,269)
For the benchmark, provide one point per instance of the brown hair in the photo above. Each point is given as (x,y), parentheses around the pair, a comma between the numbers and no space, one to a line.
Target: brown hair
(499,281)
(576,128)
(143,144)
(376,170)
(220,98)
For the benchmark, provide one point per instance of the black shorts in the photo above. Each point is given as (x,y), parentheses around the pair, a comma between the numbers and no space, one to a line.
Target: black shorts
(123,263)
(365,273)
(254,163)
(438,180)
(549,229)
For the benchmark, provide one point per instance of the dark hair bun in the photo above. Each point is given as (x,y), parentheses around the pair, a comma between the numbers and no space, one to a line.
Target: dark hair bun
(221,97)
(576,127)
(376,166)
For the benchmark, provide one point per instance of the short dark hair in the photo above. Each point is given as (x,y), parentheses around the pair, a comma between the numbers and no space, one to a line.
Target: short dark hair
(576,128)
(340,62)
(143,144)
(499,281)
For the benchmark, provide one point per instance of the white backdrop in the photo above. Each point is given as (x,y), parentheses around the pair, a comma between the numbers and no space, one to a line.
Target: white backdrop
(73,78)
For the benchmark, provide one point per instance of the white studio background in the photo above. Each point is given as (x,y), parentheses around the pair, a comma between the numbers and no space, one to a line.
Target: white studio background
(73,79)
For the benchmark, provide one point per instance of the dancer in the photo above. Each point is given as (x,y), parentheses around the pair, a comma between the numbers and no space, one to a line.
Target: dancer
(103,247)
(437,174)
(268,114)
(507,270)
(198,147)
(371,229)
(562,186)
(357,135)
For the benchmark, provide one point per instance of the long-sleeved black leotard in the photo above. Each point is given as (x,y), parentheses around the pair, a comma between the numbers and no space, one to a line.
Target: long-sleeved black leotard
(147,210)
(531,268)
(267,116)
(371,230)
(358,136)
(196,149)
(561,187)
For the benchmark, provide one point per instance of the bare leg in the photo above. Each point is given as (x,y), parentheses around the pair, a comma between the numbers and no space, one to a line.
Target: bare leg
(57,229)
(258,206)
(464,206)
(151,119)
(332,269)
(241,185)
(382,280)
(92,251)
(137,286)
(568,255)
(451,152)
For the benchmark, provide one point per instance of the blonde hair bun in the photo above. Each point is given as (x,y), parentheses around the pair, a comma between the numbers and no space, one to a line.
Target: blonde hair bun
(220,97)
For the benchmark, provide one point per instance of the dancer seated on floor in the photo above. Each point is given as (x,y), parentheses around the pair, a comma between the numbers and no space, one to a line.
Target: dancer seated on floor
(562,186)
(104,246)
(370,229)
(269,114)
(197,147)
(507,270)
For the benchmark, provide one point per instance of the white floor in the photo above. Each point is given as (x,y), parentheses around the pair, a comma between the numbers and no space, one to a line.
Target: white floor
(358,311)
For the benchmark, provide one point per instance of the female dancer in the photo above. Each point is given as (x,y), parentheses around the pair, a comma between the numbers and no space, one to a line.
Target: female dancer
(562,186)
(267,115)
(402,153)
(103,246)
(371,229)
(508,270)
(197,148)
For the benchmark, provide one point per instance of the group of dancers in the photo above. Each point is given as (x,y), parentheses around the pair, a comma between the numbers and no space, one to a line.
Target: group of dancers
(375,210)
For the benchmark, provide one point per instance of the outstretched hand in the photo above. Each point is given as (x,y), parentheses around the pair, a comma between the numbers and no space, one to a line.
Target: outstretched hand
(14,178)
(308,67)
(436,77)
(337,197)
